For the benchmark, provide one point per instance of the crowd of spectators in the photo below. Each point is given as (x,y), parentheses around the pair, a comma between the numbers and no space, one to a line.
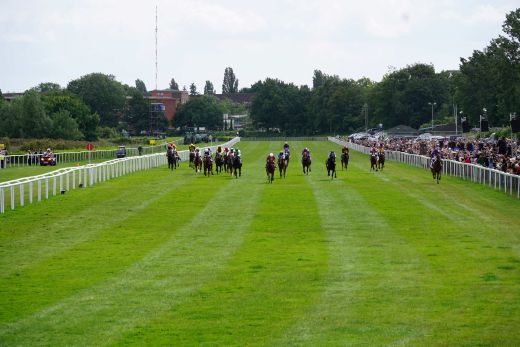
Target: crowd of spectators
(501,154)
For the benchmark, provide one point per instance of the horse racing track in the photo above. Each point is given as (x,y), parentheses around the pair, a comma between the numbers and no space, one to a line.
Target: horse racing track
(165,257)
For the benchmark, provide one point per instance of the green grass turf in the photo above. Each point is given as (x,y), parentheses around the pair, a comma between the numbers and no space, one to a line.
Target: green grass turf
(171,258)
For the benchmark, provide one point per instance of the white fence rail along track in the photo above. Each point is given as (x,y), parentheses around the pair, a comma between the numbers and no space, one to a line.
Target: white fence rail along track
(15,160)
(496,179)
(35,188)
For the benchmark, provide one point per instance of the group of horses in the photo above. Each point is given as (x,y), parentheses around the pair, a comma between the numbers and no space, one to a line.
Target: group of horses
(306,161)
(230,162)
(377,161)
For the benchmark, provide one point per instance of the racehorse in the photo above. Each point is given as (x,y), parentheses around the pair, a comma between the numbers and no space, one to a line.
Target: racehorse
(306,163)
(373,161)
(197,162)
(269,169)
(381,161)
(331,166)
(282,166)
(344,160)
(437,168)
(237,165)
(192,158)
(228,163)
(219,162)
(173,158)
(208,164)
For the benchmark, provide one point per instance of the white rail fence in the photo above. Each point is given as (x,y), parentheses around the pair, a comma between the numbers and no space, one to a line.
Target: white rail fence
(496,179)
(27,190)
(16,160)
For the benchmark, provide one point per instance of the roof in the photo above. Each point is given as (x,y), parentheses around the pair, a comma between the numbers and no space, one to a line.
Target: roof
(402,129)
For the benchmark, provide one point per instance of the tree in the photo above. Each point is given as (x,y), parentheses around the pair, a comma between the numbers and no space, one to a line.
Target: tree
(230,83)
(140,86)
(318,79)
(174,85)
(58,101)
(29,118)
(203,111)
(193,89)
(47,87)
(208,88)
(137,113)
(103,94)
(64,126)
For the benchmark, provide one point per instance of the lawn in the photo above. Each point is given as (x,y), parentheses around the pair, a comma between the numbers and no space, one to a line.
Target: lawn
(171,258)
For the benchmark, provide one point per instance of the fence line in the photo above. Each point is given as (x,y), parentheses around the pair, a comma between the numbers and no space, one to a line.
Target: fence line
(69,157)
(496,179)
(285,138)
(36,188)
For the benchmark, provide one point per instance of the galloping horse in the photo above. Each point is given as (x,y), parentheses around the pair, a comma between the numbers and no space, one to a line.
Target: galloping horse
(306,162)
(381,161)
(331,165)
(237,165)
(373,161)
(192,159)
(197,162)
(228,163)
(219,162)
(437,168)
(287,157)
(208,164)
(344,160)
(173,158)
(270,166)
(282,166)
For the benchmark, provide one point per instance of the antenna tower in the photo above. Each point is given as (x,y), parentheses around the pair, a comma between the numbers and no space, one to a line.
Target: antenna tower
(155,47)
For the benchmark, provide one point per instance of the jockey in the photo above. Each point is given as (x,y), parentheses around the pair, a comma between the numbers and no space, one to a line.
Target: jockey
(435,153)
(306,150)
(286,147)
(191,147)
(207,151)
(373,150)
(332,155)
(281,155)
(270,158)
(197,150)
(226,149)
(238,152)
(381,149)
(219,150)
(344,149)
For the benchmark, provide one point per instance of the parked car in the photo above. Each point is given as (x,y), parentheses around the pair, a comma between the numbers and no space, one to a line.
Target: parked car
(121,152)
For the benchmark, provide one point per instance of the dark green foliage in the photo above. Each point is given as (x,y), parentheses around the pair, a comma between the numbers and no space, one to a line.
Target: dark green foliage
(491,78)
(47,87)
(65,126)
(86,121)
(230,83)
(140,86)
(193,89)
(202,111)
(103,94)
(208,88)
(174,85)
(137,113)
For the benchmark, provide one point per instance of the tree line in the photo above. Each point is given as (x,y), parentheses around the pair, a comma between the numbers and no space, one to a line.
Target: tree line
(486,84)
(92,106)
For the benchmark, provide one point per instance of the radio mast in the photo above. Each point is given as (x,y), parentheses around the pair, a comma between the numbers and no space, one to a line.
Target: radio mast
(155,47)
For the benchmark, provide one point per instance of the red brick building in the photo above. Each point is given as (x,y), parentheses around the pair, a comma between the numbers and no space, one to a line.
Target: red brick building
(170,99)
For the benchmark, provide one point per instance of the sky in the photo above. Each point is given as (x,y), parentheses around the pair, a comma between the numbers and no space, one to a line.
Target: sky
(62,40)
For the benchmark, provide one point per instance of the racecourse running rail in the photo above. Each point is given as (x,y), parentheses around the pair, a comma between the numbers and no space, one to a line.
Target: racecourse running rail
(496,179)
(32,188)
